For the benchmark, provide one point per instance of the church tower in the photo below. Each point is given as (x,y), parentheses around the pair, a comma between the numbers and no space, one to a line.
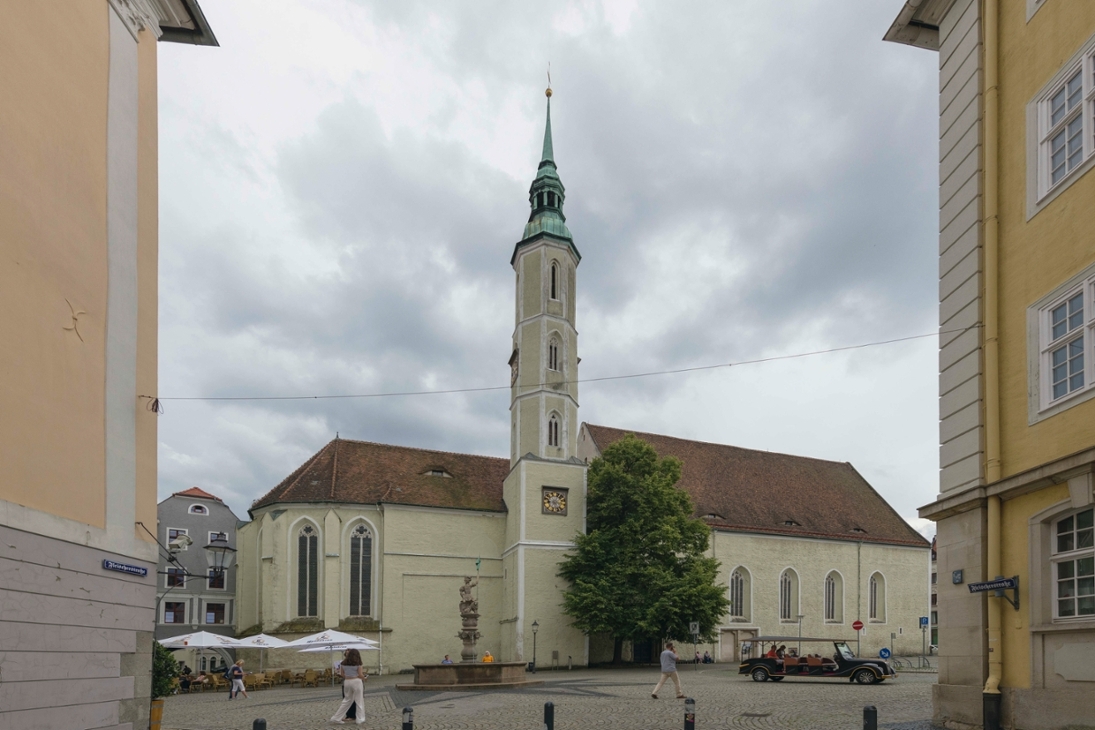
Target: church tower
(545,489)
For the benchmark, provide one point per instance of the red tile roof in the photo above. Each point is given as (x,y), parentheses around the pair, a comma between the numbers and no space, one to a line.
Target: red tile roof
(759,491)
(196,492)
(360,472)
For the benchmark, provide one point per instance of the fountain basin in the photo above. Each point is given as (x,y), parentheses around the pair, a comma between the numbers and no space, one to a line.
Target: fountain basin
(469,675)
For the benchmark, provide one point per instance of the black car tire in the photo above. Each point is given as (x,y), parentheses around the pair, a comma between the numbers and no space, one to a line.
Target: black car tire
(864,676)
(760,674)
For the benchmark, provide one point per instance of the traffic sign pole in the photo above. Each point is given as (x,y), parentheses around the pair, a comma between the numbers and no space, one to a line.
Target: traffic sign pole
(858,626)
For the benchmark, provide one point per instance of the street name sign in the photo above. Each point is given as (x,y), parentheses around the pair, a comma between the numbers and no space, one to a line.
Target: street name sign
(123,568)
(1000,584)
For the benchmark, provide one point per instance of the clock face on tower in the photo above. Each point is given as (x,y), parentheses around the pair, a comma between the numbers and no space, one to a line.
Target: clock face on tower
(554,501)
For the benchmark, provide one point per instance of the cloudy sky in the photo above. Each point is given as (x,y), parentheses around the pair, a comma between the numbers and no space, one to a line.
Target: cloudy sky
(342,184)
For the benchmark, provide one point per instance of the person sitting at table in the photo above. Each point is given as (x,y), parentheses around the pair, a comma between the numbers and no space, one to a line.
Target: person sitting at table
(184,682)
(446,660)
(487,657)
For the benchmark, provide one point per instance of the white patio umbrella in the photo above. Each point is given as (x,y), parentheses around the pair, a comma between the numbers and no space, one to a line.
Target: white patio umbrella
(263,642)
(200,640)
(331,640)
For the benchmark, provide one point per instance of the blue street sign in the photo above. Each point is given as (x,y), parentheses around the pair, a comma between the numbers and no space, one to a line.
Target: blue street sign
(923,621)
(994,585)
(884,653)
(123,568)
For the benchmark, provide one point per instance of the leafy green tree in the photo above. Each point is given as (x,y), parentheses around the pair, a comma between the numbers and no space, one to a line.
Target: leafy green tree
(641,571)
(164,669)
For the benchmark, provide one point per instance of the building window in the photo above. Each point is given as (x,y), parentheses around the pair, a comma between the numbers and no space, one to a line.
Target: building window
(738,594)
(308,572)
(198,509)
(553,430)
(935,599)
(176,577)
(1074,565)
(174,532)
(1066,122)
(553,354)
(934,577)
(214,613)
(834,598)
(216,579)
(876,598)
(1067,333)
(788,595)
(935,617)
(361,571)
(174,612)
(218,536)
(554,280)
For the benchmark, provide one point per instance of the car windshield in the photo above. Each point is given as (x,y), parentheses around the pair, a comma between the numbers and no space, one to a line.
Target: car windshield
(844,651)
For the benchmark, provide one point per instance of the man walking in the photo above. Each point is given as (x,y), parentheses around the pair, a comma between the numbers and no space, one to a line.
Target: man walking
(669,670)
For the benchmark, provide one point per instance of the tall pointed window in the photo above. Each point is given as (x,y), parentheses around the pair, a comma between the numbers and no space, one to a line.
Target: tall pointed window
(834,598)
(788,595)
(361,571)
(553,354)
(876,598)
(308,571)
(554,280)
(739,595)
(553,430)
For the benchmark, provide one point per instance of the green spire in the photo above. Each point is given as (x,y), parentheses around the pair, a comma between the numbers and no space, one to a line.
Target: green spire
(549,155)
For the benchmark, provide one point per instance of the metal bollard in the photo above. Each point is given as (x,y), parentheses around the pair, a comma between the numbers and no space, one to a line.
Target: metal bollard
(549,716)
(259,724)
(870,718)
(408,718)
(689,714)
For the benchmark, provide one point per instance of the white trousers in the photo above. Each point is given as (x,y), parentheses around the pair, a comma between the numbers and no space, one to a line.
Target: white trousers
(354,689)
(665,676)
(237,687)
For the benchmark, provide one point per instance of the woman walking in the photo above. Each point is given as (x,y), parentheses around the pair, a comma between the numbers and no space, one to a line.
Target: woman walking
(353,685)
(236,672)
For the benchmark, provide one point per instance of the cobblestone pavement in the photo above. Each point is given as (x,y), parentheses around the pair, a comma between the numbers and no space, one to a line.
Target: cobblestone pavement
(617,698)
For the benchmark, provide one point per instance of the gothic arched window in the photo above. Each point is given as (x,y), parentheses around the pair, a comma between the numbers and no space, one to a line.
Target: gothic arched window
(553,354)
(876,598)
(553,430)
(788,595)
(554,280)
(834,597)
(739,595)
(361,571)
(308,571)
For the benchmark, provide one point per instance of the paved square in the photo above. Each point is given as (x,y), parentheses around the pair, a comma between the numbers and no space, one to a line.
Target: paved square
(617,698)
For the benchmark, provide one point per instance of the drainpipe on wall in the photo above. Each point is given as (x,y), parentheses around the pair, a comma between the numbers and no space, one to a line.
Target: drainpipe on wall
(991,24)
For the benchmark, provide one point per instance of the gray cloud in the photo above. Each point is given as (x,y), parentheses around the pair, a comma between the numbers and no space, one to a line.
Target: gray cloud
(742,181)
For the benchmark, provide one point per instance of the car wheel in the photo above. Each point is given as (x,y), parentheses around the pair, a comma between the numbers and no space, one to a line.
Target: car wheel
(760,675)
(864,676)
(776,679)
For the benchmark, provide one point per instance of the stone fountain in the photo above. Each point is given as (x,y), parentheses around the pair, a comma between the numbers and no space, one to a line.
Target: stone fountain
(469,672)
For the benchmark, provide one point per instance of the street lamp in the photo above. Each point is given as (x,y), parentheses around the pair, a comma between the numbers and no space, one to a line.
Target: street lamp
(535,628)
(800,617)
(219,555)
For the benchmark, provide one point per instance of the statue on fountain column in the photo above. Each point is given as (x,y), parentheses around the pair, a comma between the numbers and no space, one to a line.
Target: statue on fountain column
(469,615)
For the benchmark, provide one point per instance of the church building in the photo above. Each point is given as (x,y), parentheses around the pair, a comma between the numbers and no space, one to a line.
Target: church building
(376,539)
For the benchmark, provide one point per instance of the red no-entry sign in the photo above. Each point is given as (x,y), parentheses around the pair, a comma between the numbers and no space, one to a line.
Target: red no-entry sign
(857,625)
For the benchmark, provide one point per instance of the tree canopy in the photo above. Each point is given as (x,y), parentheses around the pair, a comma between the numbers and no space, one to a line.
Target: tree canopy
(641,572)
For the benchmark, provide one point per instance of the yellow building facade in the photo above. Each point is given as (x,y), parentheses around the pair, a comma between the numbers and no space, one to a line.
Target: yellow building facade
(78,285)
(1017,357)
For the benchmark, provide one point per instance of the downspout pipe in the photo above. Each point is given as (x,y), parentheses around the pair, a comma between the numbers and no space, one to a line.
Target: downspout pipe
(991,243)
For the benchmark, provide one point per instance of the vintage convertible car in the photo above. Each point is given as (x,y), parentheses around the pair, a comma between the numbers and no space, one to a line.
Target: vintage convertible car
(842,664)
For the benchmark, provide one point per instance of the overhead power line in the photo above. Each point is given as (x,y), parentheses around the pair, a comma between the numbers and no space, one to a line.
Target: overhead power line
(628,376)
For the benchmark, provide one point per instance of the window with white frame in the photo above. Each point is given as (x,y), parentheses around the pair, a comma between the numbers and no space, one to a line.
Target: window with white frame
(834,597)
(1066,123)
(876,598)
(308,571)
(739,595)
(361,571)
(198,509)
(173,533)
(553,430)
(788,595)
(1067,334)
(1074,565)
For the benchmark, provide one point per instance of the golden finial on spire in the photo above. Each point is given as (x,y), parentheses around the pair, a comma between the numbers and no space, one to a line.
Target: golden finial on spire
(548,92)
